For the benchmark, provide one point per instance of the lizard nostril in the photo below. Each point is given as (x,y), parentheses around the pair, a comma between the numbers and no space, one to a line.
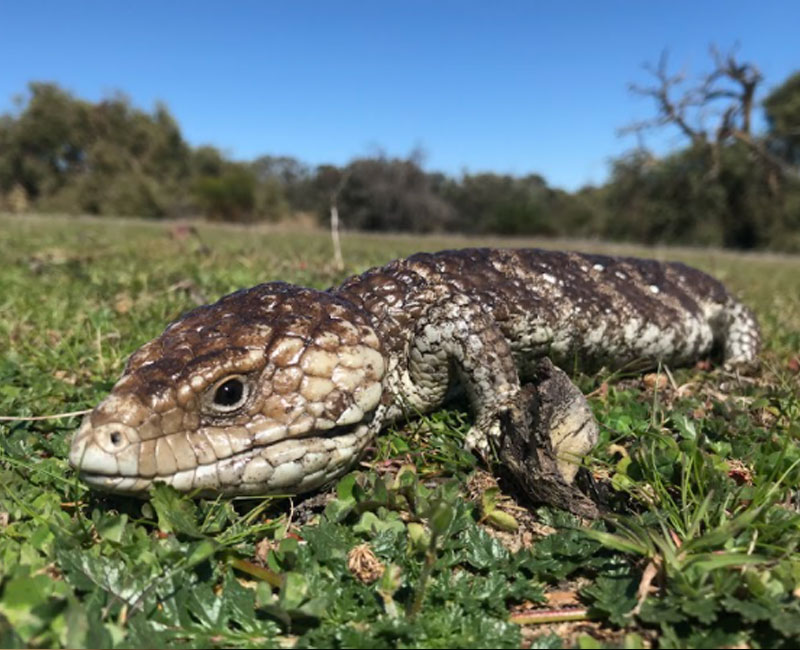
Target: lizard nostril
(115,437)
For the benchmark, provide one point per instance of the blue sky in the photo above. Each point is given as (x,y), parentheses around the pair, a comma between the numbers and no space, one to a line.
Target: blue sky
(517,87)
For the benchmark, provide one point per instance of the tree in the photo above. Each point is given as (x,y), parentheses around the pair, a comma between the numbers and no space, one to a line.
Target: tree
(728,185)
(45,143)
(664,201)
(390,194)
(292,178)
(70,155)
(782,108)
(725,97)
(229,194)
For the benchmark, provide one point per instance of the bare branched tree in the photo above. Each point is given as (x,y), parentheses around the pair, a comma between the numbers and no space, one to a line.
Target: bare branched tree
(726,96)
(671,110)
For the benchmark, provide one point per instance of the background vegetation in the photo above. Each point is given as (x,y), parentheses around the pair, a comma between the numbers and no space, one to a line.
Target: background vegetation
(732,184)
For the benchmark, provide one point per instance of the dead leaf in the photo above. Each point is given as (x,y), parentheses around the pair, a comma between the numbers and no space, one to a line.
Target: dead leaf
(739,472)
(646,584)
(262,550)
(655,380)
(364,564)
(123,303)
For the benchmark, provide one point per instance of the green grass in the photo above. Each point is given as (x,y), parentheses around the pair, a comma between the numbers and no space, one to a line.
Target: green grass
(701,550)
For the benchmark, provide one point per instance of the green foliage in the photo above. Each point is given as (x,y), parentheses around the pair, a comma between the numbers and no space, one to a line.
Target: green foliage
(69,155)
(230,196)
(394,195)
(62,154)
(721,550)
(782,109)
(664,201)
(79,569)
(677,200)
(504,204)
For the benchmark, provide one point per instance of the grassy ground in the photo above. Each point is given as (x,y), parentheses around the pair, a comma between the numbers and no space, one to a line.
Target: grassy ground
(420,548)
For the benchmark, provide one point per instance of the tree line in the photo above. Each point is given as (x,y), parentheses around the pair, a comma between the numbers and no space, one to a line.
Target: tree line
(729,185)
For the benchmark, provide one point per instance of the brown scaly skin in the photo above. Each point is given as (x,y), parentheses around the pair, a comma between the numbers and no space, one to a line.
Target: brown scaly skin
(322,372)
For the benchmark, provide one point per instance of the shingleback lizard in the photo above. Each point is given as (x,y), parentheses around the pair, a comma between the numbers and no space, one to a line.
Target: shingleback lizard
(279,388)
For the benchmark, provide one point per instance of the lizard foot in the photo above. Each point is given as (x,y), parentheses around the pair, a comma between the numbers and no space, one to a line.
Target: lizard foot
(542,443)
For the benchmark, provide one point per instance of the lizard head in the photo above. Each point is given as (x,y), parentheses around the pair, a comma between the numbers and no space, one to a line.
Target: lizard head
(269,390)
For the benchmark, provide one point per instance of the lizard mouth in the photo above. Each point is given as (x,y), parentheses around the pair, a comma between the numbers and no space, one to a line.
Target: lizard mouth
(287,466)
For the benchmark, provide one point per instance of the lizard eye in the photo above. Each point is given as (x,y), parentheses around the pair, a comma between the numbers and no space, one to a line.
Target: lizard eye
(229,394)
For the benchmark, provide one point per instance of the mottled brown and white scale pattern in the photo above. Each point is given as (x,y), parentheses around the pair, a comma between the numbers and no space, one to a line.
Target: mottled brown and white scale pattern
(308,378)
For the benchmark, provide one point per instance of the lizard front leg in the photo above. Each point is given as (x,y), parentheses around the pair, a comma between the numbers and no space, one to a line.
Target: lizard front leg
(540,432)
(455,344)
